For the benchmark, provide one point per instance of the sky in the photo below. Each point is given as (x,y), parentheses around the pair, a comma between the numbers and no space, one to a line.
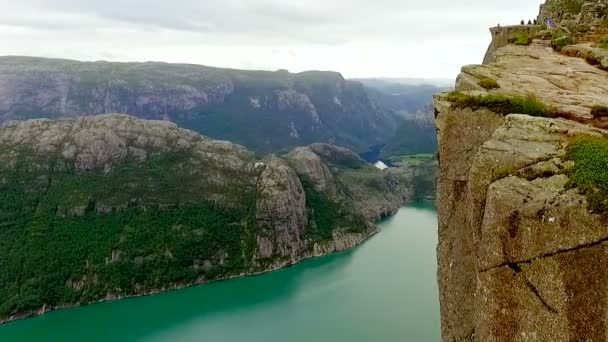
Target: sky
(359,38)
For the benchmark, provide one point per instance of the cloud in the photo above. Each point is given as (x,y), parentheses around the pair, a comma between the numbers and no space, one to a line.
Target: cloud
(358,37)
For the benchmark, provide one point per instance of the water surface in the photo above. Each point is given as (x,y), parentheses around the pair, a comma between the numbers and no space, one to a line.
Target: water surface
(384,291)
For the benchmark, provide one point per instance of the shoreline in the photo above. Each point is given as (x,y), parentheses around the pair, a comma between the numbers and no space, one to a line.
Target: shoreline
(279,266)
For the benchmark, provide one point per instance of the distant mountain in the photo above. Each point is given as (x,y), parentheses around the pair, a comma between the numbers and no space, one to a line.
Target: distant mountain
(411,100)
(404,96)
(265,111)
(437,82)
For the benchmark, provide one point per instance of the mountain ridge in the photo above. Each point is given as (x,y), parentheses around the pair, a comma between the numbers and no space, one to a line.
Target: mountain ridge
(111,206)
(286,109)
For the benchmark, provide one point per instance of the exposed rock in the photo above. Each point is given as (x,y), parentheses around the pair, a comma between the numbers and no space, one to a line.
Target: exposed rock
(345,176)
(520,255)
(502,35)
(570,84)
(311,166)
(281,208)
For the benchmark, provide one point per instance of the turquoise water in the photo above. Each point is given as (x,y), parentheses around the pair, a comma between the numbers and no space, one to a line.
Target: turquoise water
(382,291)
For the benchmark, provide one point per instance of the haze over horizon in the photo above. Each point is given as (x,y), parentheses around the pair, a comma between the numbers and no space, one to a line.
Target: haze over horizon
(384,38)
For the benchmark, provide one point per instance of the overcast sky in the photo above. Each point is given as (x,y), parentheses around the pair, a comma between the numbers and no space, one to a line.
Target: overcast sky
(360,38)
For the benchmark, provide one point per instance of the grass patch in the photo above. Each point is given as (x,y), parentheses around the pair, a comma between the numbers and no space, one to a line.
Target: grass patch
(412,160)
(603,43)
(599,111)
(521,38)
(590,172)
(501,104)
(488,83)
(560,42)
(566,6)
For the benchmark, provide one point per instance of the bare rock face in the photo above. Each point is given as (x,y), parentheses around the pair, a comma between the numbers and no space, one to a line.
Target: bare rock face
(344,176)
(570,84)
(591,15)
(105,140)
(521,256)
(311,166)
(281,210)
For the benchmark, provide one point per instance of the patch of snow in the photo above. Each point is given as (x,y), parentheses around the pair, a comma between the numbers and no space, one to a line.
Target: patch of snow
(294,132)
(380,165)
(255,102)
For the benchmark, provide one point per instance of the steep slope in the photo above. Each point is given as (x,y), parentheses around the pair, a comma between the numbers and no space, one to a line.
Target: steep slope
(265,111)
(522,221)
(415,133)
(111,206)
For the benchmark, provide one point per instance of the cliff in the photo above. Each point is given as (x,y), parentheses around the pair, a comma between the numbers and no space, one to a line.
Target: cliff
(265,111)
(521,201)
(111,206)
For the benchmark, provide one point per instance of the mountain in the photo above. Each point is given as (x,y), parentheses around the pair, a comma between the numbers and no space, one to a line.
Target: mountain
(415,132)
(265,111)
(111,206)
(523,192)
(403,96)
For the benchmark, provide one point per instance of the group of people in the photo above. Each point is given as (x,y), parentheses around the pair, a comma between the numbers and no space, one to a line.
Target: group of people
(550,23)
(530,22)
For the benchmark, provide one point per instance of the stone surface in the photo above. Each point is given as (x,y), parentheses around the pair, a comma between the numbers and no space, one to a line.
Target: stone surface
(343,175)
(568,83)
(520,256)
(281,209)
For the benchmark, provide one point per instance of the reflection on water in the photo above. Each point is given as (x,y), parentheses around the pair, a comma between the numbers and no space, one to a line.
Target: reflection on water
(384,290)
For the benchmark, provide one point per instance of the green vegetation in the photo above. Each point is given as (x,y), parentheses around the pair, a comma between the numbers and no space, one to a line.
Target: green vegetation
(599,111)
(521,38)
(425,180)
(603,43)
(326,215)
(590,172)
(565,6)
(488,83)
(501,104)
(50,255)
(560,42)
(412,160)
(411,137)
(69,237)
(219,103)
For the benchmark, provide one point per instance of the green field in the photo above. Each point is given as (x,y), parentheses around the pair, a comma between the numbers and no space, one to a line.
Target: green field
(412,160)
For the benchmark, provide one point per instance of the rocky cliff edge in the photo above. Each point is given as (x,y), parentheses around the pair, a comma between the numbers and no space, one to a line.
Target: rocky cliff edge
(522,253)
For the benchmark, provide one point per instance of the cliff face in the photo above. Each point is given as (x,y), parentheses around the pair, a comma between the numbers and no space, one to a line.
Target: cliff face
(286,109)
(522,250)
(112,206)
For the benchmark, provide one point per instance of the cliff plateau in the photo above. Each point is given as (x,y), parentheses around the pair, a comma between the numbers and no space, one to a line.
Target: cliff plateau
(522,237)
